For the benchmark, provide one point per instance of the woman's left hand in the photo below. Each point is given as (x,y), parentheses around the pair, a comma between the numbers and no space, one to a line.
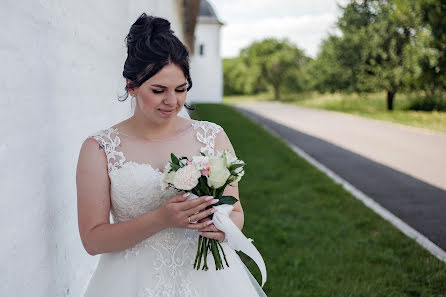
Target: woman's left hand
(211,231)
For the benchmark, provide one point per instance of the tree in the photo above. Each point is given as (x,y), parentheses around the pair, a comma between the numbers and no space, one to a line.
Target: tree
(275,60)
(433,62)
(388,33)
(339,64)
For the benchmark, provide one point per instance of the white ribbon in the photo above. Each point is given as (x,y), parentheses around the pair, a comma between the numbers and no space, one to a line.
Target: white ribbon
(234,237)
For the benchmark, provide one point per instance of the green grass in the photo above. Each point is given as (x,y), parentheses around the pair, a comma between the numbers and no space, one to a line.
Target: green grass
(367,105)
(316,239)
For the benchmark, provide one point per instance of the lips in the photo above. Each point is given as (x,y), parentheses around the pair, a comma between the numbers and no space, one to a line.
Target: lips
(167,111)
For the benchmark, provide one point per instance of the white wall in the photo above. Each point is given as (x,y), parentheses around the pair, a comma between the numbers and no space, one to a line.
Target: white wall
(206,70)
(61,72)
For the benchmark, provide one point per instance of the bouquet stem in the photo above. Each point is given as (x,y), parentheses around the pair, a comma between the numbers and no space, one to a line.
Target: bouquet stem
(224,255)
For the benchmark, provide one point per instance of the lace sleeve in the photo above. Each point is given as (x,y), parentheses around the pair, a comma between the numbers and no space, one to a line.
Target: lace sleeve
(206,134)
(109,140)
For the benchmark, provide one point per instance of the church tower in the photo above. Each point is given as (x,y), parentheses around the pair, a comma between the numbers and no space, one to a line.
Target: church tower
(206,63)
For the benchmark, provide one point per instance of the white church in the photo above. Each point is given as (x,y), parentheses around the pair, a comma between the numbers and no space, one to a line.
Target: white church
(206,62)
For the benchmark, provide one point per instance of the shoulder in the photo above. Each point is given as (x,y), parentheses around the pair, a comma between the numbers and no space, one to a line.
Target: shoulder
(105,136)
(207,126)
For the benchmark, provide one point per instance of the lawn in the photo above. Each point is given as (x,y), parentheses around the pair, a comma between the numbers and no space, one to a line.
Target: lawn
(366,105)
(316,239)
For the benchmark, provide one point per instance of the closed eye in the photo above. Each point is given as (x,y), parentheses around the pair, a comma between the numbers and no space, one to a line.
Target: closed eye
(160,91)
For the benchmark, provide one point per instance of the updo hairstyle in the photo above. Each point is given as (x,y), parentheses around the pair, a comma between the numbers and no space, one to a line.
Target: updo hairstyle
(151,45)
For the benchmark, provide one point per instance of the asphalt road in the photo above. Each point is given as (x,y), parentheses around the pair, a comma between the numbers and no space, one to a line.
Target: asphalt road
(420,204)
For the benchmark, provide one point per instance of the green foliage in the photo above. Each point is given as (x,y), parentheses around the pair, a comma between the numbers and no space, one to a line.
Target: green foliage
(385,45)
(429,103)
(339,64)
(268,63)
(433,65)
(277,61)
(239,79)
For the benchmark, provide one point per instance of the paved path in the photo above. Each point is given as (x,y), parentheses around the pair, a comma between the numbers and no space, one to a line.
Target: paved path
(416,152)
(420,204)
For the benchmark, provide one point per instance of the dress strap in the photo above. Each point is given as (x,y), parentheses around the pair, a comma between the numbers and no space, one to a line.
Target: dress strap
(206,133)
(109,141)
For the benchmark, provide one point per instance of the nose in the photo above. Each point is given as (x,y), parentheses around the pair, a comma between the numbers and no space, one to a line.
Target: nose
(170,98)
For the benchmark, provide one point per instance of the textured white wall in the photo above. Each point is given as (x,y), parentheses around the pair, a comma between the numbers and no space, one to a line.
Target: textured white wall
(206,70)
(61,72)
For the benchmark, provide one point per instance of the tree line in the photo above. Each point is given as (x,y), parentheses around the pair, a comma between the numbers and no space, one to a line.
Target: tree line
(385,45)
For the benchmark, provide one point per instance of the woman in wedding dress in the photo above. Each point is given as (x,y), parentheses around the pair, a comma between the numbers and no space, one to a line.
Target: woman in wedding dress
(150,248)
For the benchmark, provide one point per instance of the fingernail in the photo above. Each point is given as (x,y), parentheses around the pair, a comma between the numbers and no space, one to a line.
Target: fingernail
(215,201)
(209,222)
(213,210)
(186,194)
(209,198)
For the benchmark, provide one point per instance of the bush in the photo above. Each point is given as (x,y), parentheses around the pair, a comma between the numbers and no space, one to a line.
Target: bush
(428,104)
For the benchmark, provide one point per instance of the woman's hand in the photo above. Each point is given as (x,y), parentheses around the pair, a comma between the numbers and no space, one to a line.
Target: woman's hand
(211,231)
(176,211)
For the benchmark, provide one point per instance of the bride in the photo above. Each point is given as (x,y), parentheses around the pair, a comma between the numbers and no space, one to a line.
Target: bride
(150,247)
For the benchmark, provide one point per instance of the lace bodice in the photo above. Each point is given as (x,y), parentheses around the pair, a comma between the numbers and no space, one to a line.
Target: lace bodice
(134,169)
(161,265)
(134,165)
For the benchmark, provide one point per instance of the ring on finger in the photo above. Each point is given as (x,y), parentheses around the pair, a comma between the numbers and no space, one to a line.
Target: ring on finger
(188,218)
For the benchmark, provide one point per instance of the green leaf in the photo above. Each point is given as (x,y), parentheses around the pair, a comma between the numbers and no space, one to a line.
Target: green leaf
(202,154)
(235,166)
(174,159)
(228,200)
(202,182)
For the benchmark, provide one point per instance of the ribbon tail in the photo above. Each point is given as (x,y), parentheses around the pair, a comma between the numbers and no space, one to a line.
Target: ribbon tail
(236,239)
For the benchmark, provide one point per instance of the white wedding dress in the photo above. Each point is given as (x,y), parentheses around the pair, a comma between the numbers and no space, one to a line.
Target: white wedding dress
(161,265)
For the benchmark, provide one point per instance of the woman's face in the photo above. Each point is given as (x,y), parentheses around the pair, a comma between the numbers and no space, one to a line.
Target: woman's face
(163,95)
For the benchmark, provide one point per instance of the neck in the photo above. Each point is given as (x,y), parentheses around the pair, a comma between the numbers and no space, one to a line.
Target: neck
(151,129)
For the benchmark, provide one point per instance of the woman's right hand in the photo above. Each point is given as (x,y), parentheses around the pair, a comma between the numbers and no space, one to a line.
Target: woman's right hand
(176,211)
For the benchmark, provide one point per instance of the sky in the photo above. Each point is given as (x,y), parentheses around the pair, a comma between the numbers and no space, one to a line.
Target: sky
(305,23)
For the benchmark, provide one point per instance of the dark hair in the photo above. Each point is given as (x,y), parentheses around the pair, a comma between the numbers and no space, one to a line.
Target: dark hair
(151,45)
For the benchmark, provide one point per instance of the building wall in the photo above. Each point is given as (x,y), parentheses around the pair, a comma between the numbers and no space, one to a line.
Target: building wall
(206,69)
(61,73)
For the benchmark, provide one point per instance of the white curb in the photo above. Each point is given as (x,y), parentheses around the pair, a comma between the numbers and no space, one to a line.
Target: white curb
(369,202)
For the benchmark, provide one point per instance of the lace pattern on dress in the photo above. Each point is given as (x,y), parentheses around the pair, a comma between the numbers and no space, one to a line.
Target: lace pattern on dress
(206,134)
(115,159)
(173,249)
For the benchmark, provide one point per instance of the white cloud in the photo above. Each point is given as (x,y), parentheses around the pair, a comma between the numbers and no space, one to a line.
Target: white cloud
(305,31)
(305,23)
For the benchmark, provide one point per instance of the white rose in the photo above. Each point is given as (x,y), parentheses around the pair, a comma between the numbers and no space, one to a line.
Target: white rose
(239,176)
(229,158)
(183,162)
(218,174)
(200,162)
(186,178)
(167,178)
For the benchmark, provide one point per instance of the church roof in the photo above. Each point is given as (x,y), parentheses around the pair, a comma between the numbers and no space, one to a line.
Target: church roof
(207,14)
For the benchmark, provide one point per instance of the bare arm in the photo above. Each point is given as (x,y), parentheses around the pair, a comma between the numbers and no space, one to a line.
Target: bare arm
(93,203)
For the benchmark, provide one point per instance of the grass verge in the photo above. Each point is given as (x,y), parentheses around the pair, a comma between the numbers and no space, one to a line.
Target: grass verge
(316,239)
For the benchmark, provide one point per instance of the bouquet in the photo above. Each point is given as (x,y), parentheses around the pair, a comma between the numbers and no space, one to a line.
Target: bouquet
(206,175)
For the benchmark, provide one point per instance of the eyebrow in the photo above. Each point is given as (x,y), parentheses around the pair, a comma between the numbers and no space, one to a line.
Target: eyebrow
(164,87)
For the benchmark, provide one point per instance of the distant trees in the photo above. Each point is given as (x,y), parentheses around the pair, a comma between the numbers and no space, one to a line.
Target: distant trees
(270,62)
(385,45)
